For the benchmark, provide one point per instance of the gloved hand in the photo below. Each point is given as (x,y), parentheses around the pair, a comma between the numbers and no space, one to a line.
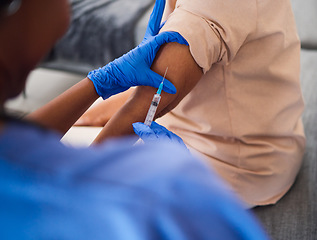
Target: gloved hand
(156,133)
(133,68)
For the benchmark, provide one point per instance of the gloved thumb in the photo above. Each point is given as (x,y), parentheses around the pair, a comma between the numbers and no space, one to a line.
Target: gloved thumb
(144,131)
(154,79)
(162,133)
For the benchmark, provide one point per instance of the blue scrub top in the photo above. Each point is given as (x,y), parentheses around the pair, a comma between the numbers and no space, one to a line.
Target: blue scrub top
(113,191)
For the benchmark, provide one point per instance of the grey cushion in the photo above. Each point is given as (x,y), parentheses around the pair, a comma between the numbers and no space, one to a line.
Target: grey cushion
(294,217)
(306,20)
(100,31)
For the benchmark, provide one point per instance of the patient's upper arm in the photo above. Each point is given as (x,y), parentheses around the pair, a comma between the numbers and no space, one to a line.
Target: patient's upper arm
(183,72)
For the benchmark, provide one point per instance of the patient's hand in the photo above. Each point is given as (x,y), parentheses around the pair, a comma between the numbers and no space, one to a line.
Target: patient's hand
(183,72)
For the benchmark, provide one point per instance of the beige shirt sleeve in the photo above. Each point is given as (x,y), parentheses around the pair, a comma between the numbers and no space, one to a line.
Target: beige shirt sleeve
(215,30)
(243,116)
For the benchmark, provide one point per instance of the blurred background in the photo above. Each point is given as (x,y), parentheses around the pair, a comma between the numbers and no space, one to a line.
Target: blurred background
(100,31)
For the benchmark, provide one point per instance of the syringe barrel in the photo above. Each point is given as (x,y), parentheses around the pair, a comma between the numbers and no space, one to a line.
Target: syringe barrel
(152,110)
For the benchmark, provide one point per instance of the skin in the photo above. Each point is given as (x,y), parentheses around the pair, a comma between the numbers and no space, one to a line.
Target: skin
(100,114)
(49,20)
(62,112)
(22,48)
(183,72)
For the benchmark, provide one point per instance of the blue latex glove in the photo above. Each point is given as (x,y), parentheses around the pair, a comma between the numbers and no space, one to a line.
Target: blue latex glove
(133,68)
(156,133)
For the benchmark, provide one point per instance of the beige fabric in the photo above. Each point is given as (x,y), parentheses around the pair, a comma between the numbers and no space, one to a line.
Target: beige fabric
(244,114)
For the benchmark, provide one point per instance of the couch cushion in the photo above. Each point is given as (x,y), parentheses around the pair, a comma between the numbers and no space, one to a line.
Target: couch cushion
(100,31)
(306,20)
(295,215)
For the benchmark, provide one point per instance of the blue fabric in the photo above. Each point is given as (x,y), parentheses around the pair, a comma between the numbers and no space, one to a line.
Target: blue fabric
(114,191)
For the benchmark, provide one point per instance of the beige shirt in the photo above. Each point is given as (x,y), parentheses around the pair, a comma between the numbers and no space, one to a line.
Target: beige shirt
(244,115)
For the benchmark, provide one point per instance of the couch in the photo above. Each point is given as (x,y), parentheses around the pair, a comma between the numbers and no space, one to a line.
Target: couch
(294,217)
(100,31)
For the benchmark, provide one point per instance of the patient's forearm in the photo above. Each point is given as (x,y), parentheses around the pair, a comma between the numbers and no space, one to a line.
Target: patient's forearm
(183,72)
(99,114)
(120,124)
(62,112)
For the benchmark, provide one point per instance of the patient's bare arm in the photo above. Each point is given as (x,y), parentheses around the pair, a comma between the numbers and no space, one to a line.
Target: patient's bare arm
(99,114)
(183,72)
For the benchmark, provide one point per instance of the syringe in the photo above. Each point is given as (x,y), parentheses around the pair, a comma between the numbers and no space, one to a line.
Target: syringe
(154,104)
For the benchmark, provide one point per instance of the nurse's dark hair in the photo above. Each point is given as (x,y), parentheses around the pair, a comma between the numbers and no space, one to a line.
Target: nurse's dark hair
(9,7)
(4,3)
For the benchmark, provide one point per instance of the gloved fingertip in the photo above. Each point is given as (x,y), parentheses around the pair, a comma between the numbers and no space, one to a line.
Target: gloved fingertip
(169,87)
(138,127)
(144,132)
(155,125)
(156,80)
(182,40)
(155,18)
(166,37)
(162,25)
